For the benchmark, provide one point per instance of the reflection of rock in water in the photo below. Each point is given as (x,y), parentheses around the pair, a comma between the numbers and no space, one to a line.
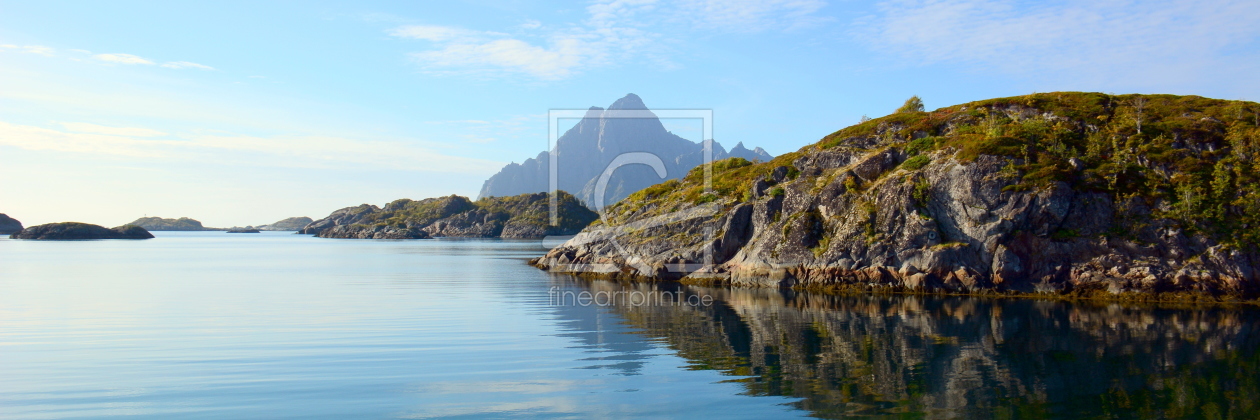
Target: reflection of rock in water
(611,343)
(950,357)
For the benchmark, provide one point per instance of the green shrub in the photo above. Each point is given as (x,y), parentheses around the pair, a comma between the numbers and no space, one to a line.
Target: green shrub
(914,104)
(777,192)
(922,193)
(916,163)
(924,144)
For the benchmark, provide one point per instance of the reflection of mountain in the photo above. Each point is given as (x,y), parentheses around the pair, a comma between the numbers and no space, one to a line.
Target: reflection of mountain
(951,357)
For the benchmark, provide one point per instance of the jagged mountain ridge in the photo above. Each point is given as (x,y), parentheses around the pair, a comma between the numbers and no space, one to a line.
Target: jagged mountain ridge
(586,149)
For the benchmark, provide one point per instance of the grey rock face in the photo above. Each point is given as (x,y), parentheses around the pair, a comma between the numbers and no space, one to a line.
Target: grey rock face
(585,150)
(9,225)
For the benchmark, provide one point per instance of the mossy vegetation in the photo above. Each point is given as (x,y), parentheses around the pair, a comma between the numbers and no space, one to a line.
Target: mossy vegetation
(915,163)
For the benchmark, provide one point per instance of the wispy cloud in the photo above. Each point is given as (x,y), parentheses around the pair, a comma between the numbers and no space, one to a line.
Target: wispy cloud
(559,60)
(38,138)
(114,131)
(114,58)
(434,32)
(186,65)
(752,15)
(612,32)
(483,52)
(30,49)
(288,151)
(122,59)
(1133,41)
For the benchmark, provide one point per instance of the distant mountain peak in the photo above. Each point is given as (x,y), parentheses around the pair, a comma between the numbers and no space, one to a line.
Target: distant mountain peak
(630,101)
(584,151)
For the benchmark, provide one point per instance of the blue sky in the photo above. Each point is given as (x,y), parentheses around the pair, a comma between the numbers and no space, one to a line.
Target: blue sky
(238,113)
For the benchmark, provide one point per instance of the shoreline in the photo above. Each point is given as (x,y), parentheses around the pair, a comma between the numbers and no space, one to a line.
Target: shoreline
(1086,293)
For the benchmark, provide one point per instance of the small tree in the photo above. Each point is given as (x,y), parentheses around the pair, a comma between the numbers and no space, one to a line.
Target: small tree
(1139,111)
(914,104)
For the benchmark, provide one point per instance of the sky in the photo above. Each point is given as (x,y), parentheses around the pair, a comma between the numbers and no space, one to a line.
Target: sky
(243,113)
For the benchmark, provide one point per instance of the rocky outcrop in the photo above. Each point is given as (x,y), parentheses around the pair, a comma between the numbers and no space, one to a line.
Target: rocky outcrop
(160,224)
(929,202)
(585,151)
(517,217)
(9,225)
(75,230)
(289,224)
(345,216)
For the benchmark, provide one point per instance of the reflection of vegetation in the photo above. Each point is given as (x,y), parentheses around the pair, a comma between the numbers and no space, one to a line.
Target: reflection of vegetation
(909,356)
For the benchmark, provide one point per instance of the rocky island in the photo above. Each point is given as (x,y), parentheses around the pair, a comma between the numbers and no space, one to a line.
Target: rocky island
(519,217)
(75,230)
(1068,193)
(288,224)
(9,225)
(170,225)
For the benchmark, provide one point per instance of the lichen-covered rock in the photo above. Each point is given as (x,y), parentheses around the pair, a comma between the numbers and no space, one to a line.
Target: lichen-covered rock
(75,230)
(979,197)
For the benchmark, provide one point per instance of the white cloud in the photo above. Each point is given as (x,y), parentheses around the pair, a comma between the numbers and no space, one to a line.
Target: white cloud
(1134,42)
(752,15)
(186,65)
(554,56)
(287,151)
(613,32)
(30,49)
(466,50)
(432,32)
(561,60)
(122,59)
(115,131)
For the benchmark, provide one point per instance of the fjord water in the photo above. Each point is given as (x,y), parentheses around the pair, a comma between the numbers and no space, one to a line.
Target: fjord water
(215,325)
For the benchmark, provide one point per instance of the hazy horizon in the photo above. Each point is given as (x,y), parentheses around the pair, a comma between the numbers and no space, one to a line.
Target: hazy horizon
(245,114)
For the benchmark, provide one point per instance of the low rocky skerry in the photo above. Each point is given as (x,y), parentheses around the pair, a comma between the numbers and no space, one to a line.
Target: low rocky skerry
(1063,193)
(76,230)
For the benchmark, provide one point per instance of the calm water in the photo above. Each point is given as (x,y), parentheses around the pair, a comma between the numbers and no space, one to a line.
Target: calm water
(278,325)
